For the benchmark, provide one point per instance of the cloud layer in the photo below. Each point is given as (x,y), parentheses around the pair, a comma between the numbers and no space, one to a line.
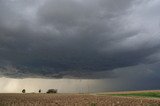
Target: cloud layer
(77,38)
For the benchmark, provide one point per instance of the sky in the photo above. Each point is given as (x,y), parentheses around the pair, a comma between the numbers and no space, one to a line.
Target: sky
(111,44)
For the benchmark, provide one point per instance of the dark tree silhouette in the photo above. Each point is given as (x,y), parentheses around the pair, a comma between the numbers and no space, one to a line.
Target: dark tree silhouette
(52,91)
(39,91)
(23,91)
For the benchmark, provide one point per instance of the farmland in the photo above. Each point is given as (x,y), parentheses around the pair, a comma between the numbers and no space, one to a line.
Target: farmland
(33,99)
(142,94)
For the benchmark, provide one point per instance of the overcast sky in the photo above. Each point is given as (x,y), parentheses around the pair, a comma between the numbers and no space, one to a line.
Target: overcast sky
(115,40)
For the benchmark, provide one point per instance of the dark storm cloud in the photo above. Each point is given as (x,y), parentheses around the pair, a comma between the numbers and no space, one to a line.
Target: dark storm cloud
(76,38)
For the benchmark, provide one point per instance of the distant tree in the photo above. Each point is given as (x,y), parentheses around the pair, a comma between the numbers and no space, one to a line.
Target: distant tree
(39,91)
(23,91)
(52,91)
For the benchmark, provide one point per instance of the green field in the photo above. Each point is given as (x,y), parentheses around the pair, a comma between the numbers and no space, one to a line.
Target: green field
(141,94)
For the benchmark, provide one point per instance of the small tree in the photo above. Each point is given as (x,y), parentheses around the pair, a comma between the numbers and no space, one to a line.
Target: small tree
(23,91)
(39,91)
(52,91)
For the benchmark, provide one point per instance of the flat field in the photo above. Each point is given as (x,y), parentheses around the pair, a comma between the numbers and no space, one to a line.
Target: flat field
(103,99)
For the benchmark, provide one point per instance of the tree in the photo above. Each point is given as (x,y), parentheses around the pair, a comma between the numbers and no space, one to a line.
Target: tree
(39,91)
(23,91)
(52,91)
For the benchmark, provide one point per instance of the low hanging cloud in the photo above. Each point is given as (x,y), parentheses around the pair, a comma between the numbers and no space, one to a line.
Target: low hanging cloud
(77,38)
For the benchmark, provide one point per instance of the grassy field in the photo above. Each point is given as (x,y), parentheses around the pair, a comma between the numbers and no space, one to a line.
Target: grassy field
(142,94)
(110,99)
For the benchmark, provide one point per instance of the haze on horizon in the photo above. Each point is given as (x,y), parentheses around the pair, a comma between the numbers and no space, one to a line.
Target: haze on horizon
(110,44)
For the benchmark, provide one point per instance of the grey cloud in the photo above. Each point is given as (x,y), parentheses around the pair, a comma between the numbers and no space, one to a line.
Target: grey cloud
(76,38)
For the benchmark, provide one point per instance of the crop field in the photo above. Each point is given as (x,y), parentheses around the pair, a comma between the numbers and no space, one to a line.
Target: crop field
(142,94)
(31,99)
